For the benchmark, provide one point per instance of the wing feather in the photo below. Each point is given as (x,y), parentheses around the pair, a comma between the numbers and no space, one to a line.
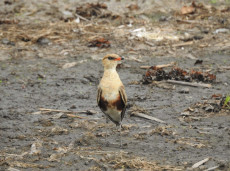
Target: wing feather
(98,95)
(124,100)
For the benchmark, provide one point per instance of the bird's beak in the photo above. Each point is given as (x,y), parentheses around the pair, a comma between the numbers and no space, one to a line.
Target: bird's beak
(119,59)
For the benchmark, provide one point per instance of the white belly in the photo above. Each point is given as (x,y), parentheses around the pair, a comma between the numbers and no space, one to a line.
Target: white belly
(114,114)
(110,96)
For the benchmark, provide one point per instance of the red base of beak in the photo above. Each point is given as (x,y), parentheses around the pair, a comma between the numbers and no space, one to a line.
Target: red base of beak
(119,59)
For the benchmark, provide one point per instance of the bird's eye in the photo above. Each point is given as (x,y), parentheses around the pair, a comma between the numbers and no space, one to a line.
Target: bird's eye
(111,58)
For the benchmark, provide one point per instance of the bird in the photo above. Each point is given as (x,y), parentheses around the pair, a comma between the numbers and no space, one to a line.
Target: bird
(111,96)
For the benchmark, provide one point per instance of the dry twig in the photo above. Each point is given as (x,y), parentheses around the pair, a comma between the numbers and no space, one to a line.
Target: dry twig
(89,112)
(183,44)
(189,84)
(68,113)
(211,168)
(147,117)
(196,165)
(225,67)
(159,66)
(83,18)
(74,116)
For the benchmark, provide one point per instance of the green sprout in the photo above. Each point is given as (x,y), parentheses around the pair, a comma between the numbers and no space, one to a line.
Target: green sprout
(227,100)
(213,1)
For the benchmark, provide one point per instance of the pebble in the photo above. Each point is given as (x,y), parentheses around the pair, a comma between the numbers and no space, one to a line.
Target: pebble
(91,78)
(84,81)
(73,107)
(163,18)
(86,163)
(7,42)
(209,108)
(184,91)
(185,113)
(64,115)
(43,41)
(221,30)
(67,15)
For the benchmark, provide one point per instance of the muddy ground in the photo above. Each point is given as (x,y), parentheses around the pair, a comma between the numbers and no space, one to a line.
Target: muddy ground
(50,66)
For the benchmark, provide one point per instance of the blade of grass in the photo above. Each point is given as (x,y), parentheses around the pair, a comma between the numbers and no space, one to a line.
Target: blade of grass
(227,100)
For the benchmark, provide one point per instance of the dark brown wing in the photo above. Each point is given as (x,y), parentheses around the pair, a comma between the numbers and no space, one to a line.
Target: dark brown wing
(98,95)
(124,100)
(102,103)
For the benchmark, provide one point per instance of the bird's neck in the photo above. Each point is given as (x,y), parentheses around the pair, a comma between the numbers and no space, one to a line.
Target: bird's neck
(110,73)
(112,69)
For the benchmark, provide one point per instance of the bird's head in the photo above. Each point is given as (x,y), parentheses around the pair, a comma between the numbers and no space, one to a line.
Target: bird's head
(110,61)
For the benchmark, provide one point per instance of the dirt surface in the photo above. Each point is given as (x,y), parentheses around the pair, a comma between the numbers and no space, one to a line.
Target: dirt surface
(50,66)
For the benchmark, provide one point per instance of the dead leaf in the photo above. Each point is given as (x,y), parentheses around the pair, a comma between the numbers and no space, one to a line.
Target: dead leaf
(98,10)
(216,96)
(133,7)
(188,9)
(100,43)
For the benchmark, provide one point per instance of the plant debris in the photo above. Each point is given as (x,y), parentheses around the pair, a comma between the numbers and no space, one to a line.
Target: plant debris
(225,102)
(133,7)
(99,42)
(92,10)
(202,76)
(197,11)
(188,9)
(158,74)
(7,21)
(162,130)
(216,104)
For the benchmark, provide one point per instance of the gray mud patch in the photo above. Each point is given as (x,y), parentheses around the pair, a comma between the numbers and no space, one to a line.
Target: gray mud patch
(49,118)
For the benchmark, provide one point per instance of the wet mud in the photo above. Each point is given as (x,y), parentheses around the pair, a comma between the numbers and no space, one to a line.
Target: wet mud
(50,66)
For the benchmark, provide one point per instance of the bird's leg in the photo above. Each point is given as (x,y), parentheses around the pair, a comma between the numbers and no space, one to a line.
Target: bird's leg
(120,137)
(106,134)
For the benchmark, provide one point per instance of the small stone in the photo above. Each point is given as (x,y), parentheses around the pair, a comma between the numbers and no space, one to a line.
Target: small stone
(196,110)
(184,91)
(7,42)
(84,81)
(91,78)
(73,107)
(57,116)
(205,31)
(209,108)
(198,37)
(86,163)
(64,115)
(185,113)
(43,41)
(163,18)
(67,15)
(40,76)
